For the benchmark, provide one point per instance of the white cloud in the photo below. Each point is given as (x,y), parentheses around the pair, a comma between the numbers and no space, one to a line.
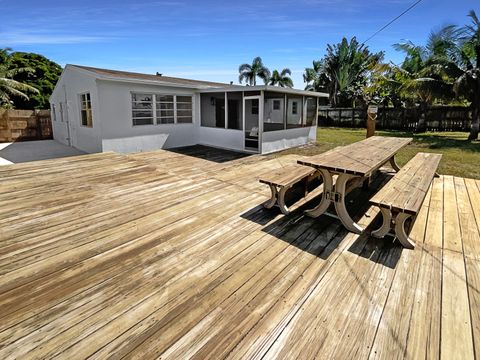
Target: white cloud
(26,38)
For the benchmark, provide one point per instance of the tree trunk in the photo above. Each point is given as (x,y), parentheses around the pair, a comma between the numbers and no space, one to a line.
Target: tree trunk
(475,124)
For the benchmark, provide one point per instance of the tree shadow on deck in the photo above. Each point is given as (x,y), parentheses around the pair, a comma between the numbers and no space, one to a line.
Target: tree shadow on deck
(209,153)
(322,236)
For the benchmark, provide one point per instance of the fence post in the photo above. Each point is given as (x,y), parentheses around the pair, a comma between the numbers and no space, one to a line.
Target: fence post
(371,119)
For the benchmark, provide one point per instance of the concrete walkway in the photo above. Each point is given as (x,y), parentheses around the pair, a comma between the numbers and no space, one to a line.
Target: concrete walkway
(18,152)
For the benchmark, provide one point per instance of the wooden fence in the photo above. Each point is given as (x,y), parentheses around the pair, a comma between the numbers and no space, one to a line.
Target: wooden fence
(22,125)
(439,118)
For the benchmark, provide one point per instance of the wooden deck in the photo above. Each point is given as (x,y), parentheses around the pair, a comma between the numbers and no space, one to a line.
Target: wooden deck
(169,254)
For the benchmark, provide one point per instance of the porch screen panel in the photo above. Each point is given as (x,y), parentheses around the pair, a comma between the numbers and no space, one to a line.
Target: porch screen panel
(311,111)
(273,111)
(234,111)
(294,111)
(213,110)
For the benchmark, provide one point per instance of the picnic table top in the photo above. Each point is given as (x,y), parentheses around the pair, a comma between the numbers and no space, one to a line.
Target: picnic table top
(360,158)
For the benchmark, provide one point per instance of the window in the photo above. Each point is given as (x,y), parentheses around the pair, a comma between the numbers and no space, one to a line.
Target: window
(276,104)
(165,109)
(86,110)
(142,109)
(61,112)
(149,109)
(54,115)
(184,109)
(294,108)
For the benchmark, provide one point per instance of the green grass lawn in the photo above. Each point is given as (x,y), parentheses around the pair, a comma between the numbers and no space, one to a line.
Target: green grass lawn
(460,157)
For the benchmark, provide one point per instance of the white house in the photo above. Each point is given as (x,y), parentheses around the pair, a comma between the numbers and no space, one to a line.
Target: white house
(99,110)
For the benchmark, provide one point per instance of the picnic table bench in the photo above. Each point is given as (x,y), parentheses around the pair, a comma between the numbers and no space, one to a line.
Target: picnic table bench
(357,161)
(402,197)
(283,179)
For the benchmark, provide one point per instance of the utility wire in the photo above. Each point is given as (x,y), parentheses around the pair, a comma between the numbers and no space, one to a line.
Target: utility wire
(392,21)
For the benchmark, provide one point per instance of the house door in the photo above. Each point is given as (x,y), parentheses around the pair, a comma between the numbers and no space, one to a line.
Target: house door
(252,114)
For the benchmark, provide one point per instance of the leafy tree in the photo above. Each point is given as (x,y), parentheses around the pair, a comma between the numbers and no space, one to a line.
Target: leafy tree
(343,72)
(44,77)
(448,66)
(282,78)
(11,88)
(467,84)
(250,72)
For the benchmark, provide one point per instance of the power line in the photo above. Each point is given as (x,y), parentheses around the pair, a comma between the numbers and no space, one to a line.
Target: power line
(392,21)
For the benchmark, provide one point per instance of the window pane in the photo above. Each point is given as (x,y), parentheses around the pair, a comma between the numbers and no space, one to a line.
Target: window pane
(181,106)
(163,113)
(185,99)
(141,113)
(84,118)
(165,120)
(165,98)
(144,121)
(142,97)
(184,120)
(165,106)
(184,112)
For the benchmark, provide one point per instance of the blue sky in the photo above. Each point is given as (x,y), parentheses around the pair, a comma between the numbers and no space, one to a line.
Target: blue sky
(209,39)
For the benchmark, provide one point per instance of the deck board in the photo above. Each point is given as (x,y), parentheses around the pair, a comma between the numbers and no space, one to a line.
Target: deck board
(171,254)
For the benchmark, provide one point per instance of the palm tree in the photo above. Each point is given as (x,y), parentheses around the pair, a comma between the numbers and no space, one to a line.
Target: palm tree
(249,72)
(449,65)
(342,72)
(282,78)
(467,84)
(8,86)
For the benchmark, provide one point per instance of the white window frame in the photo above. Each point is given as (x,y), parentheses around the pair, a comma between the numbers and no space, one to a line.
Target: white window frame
(54,115)
(80,97)
(154,108)
(61,112)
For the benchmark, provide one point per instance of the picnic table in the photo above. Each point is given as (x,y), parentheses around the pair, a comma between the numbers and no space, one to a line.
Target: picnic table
(355,162)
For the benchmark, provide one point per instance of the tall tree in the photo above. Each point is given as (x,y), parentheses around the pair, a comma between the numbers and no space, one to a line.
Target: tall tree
(9,87)
(250,72)
(448,65)
(343,72)
(282,78)
(467,84)
(44,77)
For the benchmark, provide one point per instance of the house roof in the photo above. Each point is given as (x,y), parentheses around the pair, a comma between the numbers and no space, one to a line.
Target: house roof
(126,75)
(203,86)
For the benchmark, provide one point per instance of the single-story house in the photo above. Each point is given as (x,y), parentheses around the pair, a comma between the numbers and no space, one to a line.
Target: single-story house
(98,110)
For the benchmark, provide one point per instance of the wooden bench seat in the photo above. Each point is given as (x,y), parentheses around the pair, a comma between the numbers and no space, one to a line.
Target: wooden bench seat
(282,179)
(402,197)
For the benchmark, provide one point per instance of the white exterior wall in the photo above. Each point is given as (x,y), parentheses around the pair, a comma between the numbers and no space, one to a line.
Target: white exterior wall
(283,139)
(67,92)
(219,137)
(118,132)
